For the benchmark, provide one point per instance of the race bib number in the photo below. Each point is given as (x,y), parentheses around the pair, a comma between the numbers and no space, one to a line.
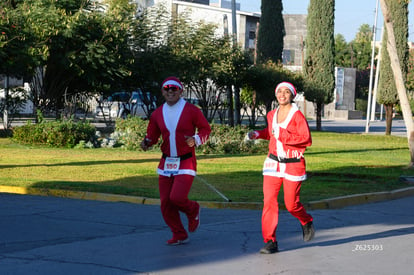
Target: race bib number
(171,165)
(270,165)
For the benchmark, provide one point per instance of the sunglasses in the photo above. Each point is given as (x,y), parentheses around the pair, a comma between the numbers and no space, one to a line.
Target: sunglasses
(171,87)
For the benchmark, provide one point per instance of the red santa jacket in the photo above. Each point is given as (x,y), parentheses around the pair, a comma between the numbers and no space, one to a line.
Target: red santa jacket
(174,123)
(288,140)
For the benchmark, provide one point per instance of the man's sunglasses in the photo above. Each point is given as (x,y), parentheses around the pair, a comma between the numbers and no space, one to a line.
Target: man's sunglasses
(171,87)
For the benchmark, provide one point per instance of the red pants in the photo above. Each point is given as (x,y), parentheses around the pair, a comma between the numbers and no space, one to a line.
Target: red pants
(174,198)
(270,215)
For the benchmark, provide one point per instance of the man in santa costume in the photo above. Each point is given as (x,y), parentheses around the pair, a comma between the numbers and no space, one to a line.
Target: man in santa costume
(182,127)
(288,134)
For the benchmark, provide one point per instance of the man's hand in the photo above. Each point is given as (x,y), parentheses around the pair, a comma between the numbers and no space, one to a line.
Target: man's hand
(145,144)
(190,141)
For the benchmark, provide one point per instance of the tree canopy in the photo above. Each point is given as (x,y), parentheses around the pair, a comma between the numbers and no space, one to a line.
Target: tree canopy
(387,90)
(70,46)
(271,31)
(319,67)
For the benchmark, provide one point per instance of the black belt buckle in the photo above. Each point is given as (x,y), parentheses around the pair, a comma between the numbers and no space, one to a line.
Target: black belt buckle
(284,160)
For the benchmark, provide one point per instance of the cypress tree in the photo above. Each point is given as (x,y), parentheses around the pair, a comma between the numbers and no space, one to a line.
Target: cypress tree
(271,32)
(319,67)
(387,90)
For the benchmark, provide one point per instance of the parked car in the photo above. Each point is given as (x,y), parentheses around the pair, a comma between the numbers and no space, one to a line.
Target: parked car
(194,101)
(122,104)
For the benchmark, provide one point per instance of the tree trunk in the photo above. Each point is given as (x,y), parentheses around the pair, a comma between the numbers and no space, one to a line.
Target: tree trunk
(230,106)
(411,147)
(237,108)
(399,80)
(319,116)
(388,118)
(253,109)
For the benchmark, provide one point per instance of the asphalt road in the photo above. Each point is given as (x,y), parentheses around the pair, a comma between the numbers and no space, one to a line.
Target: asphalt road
(49,235)
(360,126)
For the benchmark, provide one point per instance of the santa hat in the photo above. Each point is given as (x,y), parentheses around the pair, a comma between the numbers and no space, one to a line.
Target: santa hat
(172,80)
(287,85)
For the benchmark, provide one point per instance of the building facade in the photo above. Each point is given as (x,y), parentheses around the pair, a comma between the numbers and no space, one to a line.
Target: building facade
(219,13)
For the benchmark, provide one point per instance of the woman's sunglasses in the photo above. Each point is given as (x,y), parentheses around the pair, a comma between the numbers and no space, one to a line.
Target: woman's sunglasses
(171,87)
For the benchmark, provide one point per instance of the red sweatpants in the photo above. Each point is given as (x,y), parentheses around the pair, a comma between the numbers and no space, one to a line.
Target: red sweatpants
(174,198)
(270,215)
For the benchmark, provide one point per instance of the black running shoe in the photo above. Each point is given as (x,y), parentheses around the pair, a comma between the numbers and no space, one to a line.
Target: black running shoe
(308,231)
(269,248)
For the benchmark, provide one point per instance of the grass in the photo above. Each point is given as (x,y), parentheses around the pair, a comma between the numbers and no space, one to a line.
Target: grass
(338,164)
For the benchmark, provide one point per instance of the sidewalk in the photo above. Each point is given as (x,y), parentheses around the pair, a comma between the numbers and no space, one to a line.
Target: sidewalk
(50,235)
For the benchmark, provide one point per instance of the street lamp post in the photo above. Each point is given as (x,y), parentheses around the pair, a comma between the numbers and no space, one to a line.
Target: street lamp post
(374,30)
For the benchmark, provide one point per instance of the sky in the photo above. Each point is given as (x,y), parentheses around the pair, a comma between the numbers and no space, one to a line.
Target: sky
(349,14)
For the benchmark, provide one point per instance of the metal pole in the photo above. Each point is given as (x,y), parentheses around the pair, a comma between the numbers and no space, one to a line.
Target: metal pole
(6,98)
(377,71)
(372,68)
(236,89)
(225,25)
(234,21)
(381,111)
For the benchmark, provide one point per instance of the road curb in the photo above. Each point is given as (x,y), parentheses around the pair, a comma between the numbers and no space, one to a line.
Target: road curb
(333,203)
(340,202)
(83,195)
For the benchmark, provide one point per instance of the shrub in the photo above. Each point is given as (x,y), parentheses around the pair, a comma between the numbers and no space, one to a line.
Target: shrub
(361,105)
(130,132)
(223,139)
(59,133)
(232,140)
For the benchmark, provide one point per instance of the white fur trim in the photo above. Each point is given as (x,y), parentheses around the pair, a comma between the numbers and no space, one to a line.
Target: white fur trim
(197,140)
(284,175)
(180,172)
(287,85)
(172,82)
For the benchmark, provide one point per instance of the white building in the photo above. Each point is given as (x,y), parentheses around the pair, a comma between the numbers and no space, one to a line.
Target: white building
(218,13)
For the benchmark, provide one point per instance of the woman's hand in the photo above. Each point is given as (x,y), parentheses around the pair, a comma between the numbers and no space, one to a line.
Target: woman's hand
(252,135)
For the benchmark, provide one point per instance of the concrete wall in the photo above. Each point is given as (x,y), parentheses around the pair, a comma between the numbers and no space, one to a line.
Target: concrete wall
(343,105)
(295,27)
(345,88)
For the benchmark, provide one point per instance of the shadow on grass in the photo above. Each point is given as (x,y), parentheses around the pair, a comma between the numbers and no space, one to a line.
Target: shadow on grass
(239,186)
(246,186)
(81,163)
(104,162)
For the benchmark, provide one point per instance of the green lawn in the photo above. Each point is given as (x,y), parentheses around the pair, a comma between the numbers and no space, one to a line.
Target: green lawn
(338,164)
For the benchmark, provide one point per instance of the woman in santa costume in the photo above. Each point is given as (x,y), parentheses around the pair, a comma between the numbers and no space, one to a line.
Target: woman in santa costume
(177,121)
(289,135)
